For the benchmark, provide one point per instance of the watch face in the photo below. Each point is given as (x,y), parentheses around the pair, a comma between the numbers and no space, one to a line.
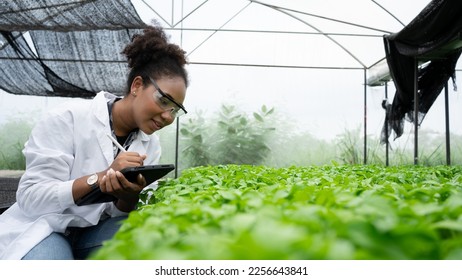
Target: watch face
(93,179)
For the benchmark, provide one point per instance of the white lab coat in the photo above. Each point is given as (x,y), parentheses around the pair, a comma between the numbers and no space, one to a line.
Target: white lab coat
(68,143)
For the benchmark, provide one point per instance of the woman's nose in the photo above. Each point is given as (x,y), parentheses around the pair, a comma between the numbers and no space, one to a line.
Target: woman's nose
(167,116)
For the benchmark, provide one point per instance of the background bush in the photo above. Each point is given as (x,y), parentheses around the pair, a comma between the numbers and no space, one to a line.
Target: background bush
(232,137)
(264,137)
(13,134)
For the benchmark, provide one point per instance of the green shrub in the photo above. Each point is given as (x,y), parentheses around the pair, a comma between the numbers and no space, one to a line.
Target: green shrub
(13,134)
(259,138)
(241,139)
(233,137)
(197,139)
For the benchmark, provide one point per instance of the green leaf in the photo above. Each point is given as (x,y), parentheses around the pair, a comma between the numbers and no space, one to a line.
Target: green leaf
(449,224)
(257,117)
(184,131)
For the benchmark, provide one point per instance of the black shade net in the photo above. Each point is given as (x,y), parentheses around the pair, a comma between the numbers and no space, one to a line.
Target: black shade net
(67,15)
(433,38)
(76,46)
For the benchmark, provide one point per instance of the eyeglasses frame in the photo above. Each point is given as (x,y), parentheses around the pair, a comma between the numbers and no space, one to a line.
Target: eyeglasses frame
(167,95)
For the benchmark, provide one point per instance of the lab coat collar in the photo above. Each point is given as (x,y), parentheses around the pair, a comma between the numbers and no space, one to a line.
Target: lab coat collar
(99,109)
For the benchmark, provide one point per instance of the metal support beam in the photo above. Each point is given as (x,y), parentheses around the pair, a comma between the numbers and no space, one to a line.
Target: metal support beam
(387,144)
(416,112)
(177,144)
(365,116)
(448,137)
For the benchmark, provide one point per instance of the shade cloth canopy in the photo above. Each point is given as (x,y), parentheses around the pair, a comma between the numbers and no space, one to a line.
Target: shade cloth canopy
(77,46)
(69,15)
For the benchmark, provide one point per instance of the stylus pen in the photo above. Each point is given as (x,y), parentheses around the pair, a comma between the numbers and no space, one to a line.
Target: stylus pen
(116,143)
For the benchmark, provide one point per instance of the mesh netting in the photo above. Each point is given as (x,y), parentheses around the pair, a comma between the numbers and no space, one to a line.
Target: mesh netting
(70,15)
(21,74)
(76,46)
(90,59)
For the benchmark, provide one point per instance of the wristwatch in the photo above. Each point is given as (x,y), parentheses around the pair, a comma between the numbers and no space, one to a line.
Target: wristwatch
(92,181)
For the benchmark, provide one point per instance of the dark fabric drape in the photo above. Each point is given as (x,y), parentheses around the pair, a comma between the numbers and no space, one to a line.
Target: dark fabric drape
(432,39)
(28,75)
(72,48)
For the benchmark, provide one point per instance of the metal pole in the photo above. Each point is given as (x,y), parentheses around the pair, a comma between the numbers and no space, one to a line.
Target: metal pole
(448,138)
(177,143)
(387,145)
(365,116)
(177,134)
(416,114)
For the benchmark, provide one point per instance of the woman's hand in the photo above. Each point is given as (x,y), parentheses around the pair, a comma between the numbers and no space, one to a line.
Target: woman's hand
(114,182)
(127,159)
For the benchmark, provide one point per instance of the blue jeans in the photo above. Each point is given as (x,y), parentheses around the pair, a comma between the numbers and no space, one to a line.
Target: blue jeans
(78,244)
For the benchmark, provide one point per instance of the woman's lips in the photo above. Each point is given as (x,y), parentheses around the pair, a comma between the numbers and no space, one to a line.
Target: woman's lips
(156,125)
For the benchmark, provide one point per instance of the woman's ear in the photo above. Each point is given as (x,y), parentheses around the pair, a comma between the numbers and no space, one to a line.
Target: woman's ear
(137,85)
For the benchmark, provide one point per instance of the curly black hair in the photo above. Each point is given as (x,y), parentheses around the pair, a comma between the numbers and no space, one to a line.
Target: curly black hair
(150,54)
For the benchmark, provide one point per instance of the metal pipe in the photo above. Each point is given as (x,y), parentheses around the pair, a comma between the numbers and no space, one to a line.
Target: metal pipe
(387,145)
(365,116)
(177,144)
(448,137)
(416,113)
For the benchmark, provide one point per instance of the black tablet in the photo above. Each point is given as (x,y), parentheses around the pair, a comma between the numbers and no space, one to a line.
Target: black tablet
(151,173)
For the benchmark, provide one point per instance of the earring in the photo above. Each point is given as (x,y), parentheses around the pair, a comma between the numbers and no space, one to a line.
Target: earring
(134,93)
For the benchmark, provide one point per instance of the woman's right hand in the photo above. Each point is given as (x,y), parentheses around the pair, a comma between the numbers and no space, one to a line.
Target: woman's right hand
(113,182)
(127,159)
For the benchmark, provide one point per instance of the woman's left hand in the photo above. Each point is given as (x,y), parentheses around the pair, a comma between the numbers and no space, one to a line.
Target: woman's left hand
(115,183)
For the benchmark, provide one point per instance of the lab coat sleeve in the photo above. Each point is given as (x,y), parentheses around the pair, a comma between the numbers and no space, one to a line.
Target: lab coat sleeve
(46,186)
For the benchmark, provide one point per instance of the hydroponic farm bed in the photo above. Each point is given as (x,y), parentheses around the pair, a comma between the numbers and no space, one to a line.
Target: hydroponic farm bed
(316,212)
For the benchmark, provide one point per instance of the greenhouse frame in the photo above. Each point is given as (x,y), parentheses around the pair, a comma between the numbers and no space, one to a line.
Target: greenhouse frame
(48,49)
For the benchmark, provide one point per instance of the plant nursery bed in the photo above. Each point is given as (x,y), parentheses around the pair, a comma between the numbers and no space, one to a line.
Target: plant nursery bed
(9,180)
(315,212)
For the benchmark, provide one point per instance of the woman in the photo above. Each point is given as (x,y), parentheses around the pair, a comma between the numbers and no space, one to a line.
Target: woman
(69,153)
